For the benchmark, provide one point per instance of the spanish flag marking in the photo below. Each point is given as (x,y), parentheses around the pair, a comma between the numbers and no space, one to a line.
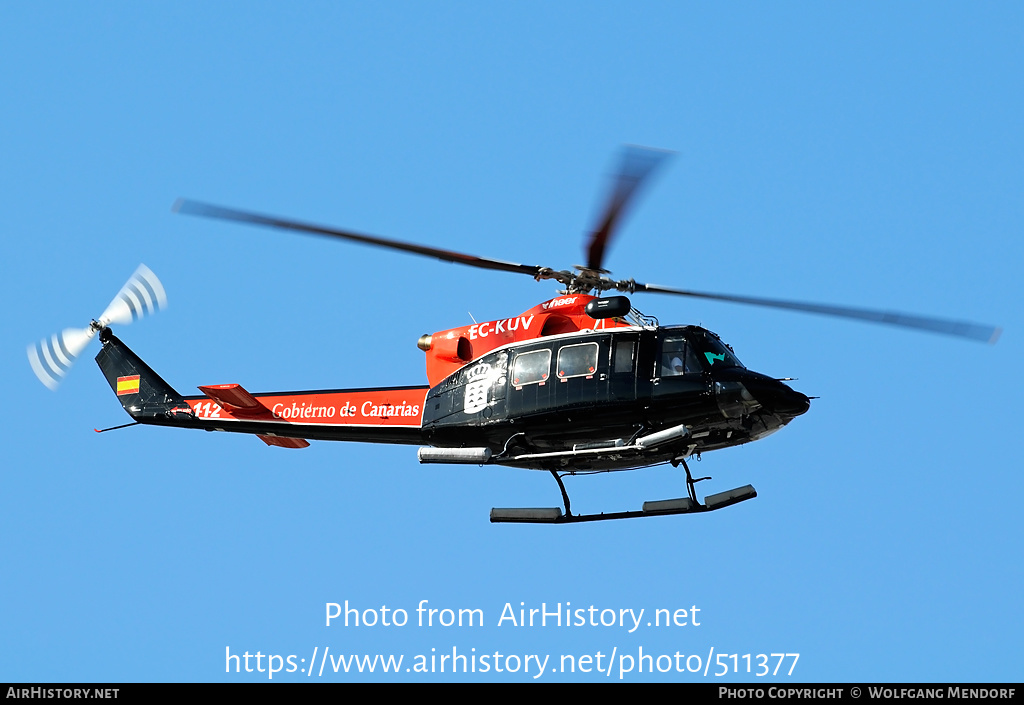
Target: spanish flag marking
(128,385)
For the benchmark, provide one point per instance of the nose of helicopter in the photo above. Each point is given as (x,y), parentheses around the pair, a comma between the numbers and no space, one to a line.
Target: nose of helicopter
(778,397)
(773,395)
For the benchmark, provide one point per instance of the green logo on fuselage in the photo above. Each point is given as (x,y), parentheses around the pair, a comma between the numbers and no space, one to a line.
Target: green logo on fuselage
(712,357)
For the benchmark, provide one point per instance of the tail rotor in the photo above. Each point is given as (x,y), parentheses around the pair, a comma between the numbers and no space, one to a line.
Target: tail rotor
(51,358)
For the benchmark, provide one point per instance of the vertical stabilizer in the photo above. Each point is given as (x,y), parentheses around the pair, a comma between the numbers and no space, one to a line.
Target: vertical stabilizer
(141,391)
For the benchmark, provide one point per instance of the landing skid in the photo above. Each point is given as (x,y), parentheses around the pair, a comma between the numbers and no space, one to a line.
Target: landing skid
(666,507)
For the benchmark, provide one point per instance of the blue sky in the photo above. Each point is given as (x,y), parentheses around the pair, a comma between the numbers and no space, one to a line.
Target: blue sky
(868,155)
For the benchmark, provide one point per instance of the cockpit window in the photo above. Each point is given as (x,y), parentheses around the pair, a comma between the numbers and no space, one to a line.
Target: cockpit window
(693,350)
(677,356)
(717,353)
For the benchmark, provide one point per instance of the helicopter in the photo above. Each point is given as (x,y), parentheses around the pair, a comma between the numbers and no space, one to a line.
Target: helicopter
(581,383)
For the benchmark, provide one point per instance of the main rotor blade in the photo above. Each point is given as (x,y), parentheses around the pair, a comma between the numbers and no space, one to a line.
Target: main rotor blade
(637,164)
(960,329)
(211,211)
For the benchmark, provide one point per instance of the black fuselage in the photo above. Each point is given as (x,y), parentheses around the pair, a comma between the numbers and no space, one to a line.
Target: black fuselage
(587,390)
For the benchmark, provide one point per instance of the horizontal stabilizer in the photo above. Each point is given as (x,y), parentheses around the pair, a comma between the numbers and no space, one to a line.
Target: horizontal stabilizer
(236,399)
(284,442)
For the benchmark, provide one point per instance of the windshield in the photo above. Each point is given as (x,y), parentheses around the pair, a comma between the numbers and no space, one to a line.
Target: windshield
(715,352)
(693,350)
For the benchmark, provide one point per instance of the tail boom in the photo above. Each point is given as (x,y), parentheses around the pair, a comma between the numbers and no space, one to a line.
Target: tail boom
(372,415)
(286,419)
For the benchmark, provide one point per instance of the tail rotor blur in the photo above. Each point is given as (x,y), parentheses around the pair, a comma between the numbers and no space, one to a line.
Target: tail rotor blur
(51,358)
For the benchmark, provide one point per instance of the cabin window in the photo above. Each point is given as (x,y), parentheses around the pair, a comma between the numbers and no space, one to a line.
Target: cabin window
(577,361)
(531,368)
(678,357)
(623,360)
